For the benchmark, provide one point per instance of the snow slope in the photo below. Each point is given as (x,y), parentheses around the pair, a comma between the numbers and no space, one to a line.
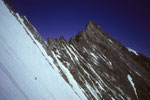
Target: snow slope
(25,74)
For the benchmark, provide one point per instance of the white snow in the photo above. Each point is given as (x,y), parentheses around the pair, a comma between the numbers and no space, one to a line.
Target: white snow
(71,80)
(75,56)
(104,58)
(96,57)
(85,50)
(131,82)
(110,63)
(137,73)
(100,82)
(112,98)
(22,60)
(92,91)
(110,40)
(131,50)
(76,52)
(68,53)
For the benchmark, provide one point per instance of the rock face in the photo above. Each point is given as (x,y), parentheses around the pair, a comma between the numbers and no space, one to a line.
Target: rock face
(101,67)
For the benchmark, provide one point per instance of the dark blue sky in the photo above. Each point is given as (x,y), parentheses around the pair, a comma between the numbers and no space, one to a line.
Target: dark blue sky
(125,20)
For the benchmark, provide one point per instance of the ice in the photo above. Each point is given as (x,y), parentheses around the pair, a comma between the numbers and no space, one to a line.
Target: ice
(138,74)
(96,57)
(72,52)
(92,91)
(69,53)
(110,63)
(131,50)
(131,82)
(112,98)
(110,40)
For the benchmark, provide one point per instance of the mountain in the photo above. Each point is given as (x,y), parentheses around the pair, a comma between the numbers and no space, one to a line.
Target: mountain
(91,66)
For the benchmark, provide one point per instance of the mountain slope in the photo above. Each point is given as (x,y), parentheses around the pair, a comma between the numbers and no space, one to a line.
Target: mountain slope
(90,66)
(103,67)
(26,71)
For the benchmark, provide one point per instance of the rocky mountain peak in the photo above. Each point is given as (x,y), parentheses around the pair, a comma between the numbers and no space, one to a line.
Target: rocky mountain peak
(92,33)
(91,25)
(62,39)
(81,36)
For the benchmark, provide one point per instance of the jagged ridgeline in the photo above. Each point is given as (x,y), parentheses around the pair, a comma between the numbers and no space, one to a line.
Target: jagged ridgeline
(91,66)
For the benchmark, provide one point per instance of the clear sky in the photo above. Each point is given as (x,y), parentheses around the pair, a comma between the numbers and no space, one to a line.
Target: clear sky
(125,20)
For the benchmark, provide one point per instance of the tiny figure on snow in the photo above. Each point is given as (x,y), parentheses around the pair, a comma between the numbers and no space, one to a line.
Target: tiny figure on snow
(35,78)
